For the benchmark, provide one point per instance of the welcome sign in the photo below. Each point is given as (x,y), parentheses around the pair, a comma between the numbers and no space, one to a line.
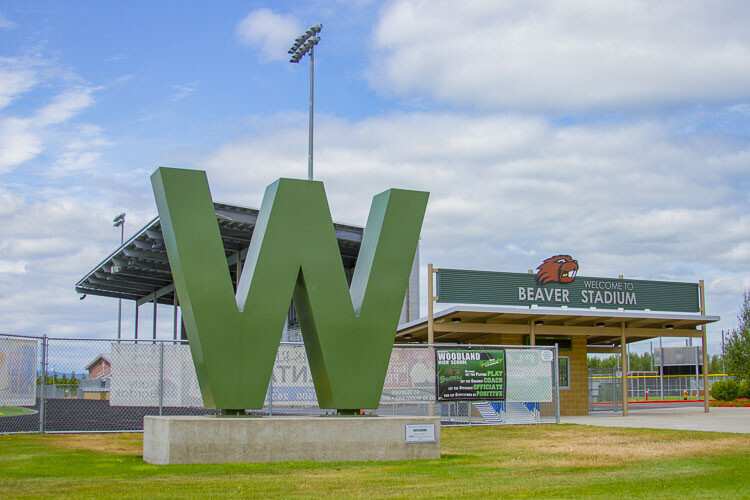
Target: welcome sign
(557,284)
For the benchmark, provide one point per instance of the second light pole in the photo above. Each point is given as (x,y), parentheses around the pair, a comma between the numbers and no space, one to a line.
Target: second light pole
(119,221)
(303,44)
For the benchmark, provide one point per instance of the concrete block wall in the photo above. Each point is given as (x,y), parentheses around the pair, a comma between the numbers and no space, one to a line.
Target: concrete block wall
(575,401)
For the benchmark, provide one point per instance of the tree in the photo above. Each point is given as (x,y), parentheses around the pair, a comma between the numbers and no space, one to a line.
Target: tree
(737,346)
(608,362)
(715,364)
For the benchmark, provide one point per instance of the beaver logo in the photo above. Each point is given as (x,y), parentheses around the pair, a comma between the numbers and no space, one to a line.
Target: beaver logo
(557,269)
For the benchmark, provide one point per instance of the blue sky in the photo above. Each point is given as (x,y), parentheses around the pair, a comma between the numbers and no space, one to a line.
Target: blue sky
(617,133)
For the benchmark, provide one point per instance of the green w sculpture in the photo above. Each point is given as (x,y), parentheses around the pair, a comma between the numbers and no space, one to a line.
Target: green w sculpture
(348,333)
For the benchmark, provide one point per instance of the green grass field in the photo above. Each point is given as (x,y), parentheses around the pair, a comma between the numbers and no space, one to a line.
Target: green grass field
(14,411)
(544,461)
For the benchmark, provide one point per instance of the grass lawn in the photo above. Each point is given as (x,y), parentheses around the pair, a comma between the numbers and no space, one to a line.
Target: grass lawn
(488,462)
(14,411)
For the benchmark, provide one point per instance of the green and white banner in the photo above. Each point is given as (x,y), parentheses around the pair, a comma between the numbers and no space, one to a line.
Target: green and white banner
(458,286)
(470,375)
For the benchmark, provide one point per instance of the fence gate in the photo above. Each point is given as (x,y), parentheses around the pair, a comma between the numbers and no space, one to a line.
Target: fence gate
(605,389)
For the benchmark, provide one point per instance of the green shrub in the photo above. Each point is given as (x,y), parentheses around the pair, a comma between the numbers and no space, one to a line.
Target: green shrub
(744,390)
(725,390)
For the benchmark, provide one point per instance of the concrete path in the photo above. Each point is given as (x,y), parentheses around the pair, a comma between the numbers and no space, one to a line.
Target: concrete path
(690,418)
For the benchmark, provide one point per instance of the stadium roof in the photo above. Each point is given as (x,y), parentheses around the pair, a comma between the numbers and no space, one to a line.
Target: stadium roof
(602,327)
(139,269)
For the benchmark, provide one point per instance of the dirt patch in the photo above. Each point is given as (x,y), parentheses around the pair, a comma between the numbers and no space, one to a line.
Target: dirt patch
(571,445)
(118,444)
(625,446)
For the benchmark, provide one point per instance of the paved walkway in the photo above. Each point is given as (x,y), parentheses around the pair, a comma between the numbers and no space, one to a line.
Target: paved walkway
(690,418)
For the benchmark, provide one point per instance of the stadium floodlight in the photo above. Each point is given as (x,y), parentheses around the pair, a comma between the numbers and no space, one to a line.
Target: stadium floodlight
(304,44)
(119,221)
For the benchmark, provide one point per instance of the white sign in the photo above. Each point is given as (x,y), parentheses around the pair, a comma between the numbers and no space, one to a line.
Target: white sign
(410,377)
(420,433)
(528,376)
(547,356)
(135,377)
(17,372)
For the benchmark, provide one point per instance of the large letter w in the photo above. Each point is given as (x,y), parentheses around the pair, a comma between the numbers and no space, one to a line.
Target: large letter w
(293,252)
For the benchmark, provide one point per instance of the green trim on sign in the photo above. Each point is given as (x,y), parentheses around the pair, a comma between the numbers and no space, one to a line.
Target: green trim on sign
(348,334)
(460,286)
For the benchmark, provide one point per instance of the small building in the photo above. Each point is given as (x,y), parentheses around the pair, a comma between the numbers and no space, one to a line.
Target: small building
(96,386)
(99,368)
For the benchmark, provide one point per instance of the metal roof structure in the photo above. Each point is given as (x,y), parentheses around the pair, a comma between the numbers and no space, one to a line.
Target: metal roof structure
(139,269)
(602,327)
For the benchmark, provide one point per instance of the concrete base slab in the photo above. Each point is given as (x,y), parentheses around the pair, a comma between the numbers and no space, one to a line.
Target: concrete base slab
(684,418)
(210,439)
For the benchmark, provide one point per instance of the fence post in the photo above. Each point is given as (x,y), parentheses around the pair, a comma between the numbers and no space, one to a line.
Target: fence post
(614,389)
(661,368)
(161,377)
(557,384)
(270,396)
(44,383)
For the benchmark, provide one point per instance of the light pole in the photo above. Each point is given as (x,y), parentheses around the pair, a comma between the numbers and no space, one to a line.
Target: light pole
(303,44)
(119,221)
(723,366)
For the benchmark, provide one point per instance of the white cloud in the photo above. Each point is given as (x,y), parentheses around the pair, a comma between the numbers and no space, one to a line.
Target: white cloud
(82,152)
(21,139)
(634,199)
(64,106)
(13,267)
(16,77)
(6,23)
(545,54)
(17,143)
(271,33)
(183,90)
(47,245)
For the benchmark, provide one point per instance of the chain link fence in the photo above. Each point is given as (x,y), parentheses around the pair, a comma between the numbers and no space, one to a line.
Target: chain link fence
(605,388)
(103,385)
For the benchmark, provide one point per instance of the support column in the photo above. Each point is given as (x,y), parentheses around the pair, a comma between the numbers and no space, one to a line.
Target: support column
(705,347)
(430,307)
(624,365)
(154,327)
(136,321)
(532,335)
(174,317)
(661,368)
(430,321)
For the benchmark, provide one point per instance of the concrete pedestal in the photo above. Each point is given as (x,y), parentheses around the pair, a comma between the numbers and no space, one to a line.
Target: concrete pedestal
(188,440)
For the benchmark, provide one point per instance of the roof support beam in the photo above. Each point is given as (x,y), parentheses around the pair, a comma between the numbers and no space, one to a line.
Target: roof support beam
(142,254)
(558,330)
(114,285)
(155,295)
(603,350)
(106,293)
